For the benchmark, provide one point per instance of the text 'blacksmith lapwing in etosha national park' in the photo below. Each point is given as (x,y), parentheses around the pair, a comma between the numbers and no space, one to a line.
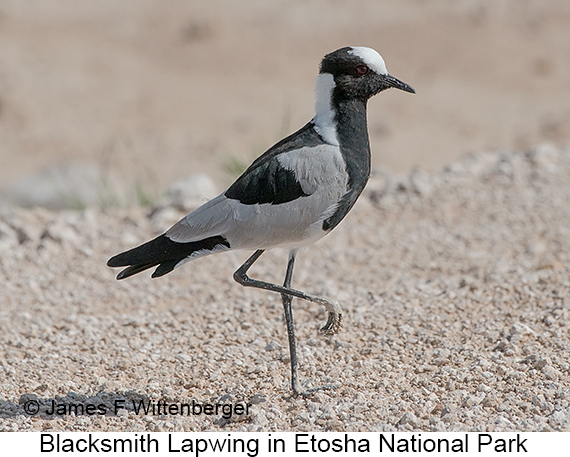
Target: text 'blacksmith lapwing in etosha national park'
(289,197)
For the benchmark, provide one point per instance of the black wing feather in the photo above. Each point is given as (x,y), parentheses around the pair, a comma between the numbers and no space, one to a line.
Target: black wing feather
(161,251)
(266,181)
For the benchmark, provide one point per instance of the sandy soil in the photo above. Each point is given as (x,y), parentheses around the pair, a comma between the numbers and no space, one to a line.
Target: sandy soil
(153,93)
(455,288)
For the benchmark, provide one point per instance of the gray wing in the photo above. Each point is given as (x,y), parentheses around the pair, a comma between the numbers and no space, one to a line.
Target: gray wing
(283,201)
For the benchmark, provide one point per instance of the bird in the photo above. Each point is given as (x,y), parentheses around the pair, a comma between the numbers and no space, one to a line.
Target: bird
(292,195)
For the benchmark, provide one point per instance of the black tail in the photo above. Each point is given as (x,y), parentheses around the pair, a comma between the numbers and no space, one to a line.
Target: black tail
(161,251)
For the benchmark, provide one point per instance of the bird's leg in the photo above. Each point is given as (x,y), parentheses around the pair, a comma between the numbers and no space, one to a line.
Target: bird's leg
(332,326)
(334,321)
(286,298)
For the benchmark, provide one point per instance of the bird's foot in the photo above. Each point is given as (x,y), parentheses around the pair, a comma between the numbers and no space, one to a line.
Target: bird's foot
(333,325)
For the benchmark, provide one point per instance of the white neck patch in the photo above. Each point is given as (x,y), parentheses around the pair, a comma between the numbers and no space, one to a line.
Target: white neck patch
(371,58)
(324,121)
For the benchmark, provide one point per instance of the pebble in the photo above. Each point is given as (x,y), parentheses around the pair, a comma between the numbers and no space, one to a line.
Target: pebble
(558,418)
(409,418)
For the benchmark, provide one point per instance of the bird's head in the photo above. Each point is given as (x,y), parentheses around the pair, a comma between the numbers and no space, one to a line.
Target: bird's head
(359,73)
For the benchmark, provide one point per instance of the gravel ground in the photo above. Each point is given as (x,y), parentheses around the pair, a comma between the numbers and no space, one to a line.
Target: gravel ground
(455,287)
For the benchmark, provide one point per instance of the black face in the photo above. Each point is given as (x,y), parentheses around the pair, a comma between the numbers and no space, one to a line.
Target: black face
(354,78)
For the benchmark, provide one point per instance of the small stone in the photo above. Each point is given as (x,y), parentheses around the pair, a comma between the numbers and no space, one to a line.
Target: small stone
(501,346)
(272,346)
(551,373)
(257,399)
(449,409)
(470,401)
(437,409)
(540,363)
(549,320)
(409,418)
(519,328)
(442,356)
(334,425)
(503,422)
(557,418)
(501,370)
(191,192)
(260,418)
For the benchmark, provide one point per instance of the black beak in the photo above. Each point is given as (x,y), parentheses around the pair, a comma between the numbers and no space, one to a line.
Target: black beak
(394,82)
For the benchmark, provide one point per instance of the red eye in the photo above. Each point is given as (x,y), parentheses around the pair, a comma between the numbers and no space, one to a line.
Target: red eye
(362,70)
